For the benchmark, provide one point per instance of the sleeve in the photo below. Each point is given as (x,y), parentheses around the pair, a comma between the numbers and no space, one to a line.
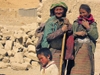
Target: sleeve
(59,33)
(55,34)
(93,32)
(48,30)
(75,24)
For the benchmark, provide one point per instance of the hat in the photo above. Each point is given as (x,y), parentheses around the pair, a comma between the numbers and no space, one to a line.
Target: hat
(56,4)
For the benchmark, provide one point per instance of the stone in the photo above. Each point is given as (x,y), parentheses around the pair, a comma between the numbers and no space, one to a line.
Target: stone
(8,45)
(36,40)
(32,56)
(18,66)
(27,59)
(12,60)
(19,57)
(1,57)
(10,53)
(31,48)
(3,52)
(3,65)
(25,49)
(6,60)
(34,63)
(29,42)
(1,46)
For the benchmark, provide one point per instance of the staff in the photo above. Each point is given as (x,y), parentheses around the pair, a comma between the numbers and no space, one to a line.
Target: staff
(62,52)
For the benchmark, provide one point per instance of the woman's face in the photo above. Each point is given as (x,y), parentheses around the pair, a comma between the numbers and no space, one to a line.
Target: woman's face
(84,13)
(59,11)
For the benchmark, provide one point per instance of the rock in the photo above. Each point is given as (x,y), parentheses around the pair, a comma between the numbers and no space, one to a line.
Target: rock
(27,59)
(8,45)
(1,57)
(18,66)
(12,60)
(31,48)
(3,65)
(25,49)
(3,52)
(1,46)
(36,40)
(10,53)
(32,56)
(29,42)
(34,63)
(19,57)
(6,60)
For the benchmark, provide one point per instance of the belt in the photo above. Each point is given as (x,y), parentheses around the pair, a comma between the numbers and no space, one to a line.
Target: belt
(83,40)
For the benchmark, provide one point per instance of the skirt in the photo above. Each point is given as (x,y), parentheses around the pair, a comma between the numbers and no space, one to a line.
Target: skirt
(82,62)
(56,54)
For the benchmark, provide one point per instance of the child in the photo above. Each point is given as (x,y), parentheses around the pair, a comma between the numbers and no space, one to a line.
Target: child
(48,66)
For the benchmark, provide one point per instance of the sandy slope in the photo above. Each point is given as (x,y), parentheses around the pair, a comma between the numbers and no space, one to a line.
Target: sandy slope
(16,4)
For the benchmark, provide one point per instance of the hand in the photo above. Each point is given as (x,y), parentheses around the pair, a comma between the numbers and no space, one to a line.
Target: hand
(85,24)
(81,33)
(66,21)
(64,28)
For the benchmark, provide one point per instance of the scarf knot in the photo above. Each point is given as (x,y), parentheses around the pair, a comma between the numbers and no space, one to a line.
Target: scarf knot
(90,19)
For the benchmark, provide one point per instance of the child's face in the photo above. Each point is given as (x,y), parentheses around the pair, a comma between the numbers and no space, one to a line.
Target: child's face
(43,60)
(84,13)
(59,11)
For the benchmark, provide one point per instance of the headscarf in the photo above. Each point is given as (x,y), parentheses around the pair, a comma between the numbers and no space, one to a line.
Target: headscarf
(90,19)
(57,4)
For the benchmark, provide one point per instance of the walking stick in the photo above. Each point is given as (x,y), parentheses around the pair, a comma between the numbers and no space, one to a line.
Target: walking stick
(62,52)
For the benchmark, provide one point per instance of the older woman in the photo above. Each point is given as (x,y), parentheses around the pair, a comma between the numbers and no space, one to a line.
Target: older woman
(55,27)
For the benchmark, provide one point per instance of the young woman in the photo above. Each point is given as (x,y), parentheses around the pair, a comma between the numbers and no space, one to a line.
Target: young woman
(55,27)
(85,35)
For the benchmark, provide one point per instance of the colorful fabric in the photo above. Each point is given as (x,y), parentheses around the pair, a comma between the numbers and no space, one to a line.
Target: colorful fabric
(83,50)
(56,57)
(58,4)
(82,64)
(50,27)
(90,19)
(69,47)
(53,24)
(93,33)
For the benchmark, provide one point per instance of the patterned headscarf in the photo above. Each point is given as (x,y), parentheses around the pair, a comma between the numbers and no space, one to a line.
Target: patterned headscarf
(57,4)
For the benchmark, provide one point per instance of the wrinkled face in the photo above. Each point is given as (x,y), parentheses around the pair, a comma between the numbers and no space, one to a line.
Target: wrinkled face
(84,13)
(59,11)
(43,60)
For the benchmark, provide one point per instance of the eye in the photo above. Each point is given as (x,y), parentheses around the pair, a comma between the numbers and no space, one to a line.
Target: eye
(56,9)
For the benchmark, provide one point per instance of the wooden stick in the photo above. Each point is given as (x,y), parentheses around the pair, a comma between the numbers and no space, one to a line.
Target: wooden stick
(62,53)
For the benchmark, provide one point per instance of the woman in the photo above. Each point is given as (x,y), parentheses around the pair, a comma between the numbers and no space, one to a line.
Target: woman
(55,27)
(85,35)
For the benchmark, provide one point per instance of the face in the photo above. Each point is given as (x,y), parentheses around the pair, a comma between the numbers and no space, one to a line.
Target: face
(84,13)
(43,60)
(59,11)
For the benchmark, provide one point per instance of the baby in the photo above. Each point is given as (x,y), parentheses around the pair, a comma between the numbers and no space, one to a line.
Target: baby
(48,66)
